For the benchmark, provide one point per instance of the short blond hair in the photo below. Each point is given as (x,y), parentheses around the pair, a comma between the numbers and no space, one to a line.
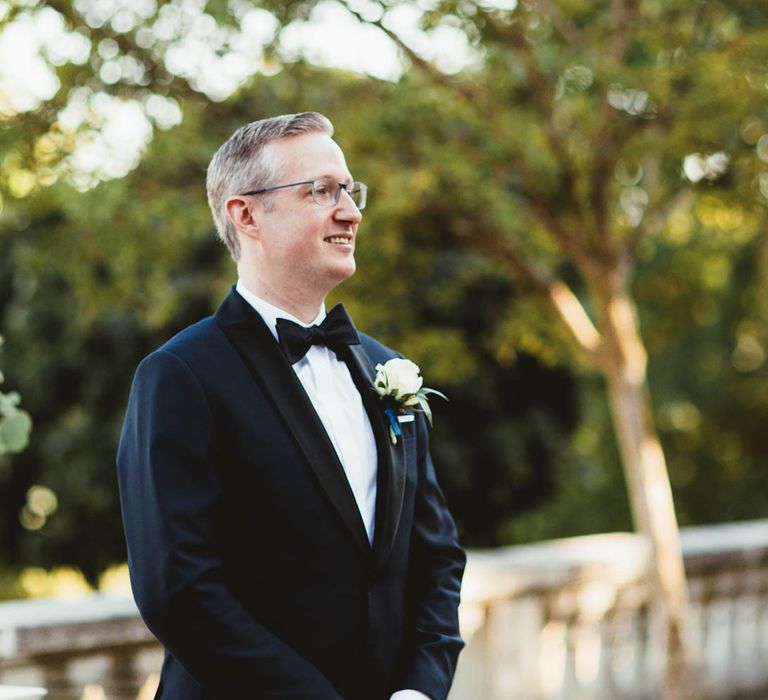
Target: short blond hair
(243,163)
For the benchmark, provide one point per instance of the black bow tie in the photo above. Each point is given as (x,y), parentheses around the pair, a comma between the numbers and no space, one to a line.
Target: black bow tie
(335,332)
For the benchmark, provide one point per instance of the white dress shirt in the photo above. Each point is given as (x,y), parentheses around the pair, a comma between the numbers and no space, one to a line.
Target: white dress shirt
(330,388)
(338,404)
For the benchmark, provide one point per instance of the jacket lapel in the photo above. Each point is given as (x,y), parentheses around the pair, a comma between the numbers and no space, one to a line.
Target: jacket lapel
(391,462)
(246,330)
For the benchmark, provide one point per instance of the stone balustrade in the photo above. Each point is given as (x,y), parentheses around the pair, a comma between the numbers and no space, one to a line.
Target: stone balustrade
(560,620)
(570,620)
(91,648)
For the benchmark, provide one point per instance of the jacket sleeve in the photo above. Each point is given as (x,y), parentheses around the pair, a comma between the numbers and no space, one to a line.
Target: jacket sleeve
(436,566)
(170,498)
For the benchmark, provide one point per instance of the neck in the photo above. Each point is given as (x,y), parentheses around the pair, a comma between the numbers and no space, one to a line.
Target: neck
(299,303)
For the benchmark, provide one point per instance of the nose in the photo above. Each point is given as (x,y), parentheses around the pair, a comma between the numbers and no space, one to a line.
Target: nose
(347,210)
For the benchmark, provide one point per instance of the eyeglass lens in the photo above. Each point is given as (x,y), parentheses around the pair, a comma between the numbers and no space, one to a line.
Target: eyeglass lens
(326,192)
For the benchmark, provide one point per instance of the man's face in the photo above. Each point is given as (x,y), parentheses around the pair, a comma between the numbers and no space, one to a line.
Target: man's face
(304,244)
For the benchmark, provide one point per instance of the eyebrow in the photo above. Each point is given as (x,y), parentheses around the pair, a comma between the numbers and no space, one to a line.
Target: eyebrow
(343,181)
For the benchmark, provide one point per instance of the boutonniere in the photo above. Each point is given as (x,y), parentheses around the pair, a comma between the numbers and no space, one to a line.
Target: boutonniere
(399,384)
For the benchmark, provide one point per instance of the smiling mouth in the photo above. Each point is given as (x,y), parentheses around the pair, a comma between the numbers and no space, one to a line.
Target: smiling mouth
(339,240)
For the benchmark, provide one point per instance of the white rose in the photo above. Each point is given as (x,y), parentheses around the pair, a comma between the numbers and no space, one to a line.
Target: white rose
(398,378)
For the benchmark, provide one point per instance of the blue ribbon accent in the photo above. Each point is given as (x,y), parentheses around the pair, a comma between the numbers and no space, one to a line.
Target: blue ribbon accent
(393,422)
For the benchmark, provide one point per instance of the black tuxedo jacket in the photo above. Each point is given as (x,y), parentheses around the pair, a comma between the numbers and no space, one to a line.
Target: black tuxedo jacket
(248,555)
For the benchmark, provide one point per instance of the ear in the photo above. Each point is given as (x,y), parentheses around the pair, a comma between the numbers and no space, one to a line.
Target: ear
(243,212)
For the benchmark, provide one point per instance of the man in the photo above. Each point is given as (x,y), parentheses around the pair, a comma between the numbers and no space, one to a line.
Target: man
(283,543)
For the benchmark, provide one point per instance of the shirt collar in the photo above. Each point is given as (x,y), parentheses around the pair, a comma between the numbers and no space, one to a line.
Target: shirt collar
(270,313)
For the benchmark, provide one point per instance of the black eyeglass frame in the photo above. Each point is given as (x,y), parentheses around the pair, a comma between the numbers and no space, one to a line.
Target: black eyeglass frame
(342,185)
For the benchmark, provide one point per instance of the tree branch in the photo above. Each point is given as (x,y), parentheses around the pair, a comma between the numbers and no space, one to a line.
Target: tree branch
(565,28)
(604,143)
(604,150)
(153,63)
(543,91)
(566,306)
(571,244)
(623,14)
(429,68)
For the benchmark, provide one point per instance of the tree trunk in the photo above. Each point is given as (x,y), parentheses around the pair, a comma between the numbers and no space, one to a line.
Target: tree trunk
(624,367)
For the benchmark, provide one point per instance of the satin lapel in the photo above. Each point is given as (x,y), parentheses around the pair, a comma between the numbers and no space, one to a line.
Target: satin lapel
(391,457)
(249,334)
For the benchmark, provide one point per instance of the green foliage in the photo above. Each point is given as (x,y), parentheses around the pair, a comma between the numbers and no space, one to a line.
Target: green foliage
(15,423)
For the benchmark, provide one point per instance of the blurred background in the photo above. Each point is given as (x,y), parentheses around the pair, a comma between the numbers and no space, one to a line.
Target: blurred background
(507,145)
(110,112)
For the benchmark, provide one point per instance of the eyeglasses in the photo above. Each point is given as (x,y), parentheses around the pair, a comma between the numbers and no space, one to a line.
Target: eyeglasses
(326,191)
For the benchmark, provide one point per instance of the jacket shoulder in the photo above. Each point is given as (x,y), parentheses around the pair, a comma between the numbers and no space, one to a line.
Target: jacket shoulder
(191,344)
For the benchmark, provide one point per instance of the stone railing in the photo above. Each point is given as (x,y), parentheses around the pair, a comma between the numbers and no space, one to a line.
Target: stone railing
(570,620)
(92,648)
(565,620)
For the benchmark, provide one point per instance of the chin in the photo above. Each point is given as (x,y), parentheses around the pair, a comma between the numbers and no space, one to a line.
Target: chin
(343,272)
(348,268)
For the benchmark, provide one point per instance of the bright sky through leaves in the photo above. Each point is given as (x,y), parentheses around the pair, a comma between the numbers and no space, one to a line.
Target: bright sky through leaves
(111,133)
